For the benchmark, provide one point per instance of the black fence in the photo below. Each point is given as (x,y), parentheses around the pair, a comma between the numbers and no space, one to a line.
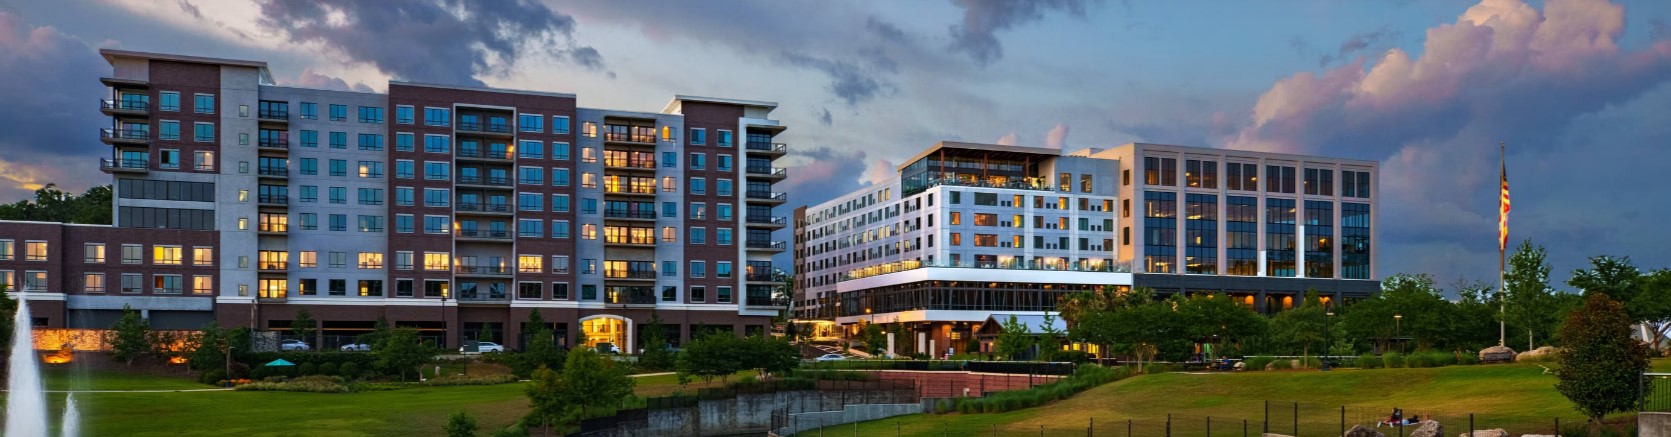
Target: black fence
(1655,392)
(1010,367)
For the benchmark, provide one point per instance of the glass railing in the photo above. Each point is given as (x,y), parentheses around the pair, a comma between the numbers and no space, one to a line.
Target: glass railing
(768,220)
(1021,184)
(125,134)
(124,105)
(274,143)
(769,171)
(273,115)
(629,214)
(752,244)
(271,199)
(498,128)
(274,171)
(765,195)
(1061,266)
(478,180)
(115,163)
(767,146)
(629,274)
(484,207)
(477,233)
(484,270)
(489,154)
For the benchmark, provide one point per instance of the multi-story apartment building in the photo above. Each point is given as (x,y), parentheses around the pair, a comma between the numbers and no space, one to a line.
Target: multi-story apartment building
(967,231)
(455,210)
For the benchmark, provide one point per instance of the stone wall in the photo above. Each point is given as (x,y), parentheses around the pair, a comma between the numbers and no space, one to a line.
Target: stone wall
(750,413)
(1653,424)
(850,414)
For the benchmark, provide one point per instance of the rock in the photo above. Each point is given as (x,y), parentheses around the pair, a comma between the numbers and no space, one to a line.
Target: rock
(1295,364)
(1240,366)
(1270,366)
(1428,428)
(1499,432)
(1539,354)
(1362,431)
(1497,354)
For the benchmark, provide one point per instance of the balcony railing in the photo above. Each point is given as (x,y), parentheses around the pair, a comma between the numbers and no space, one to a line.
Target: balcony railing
(476,233)
(485,270)
(498,128)
(273,115)
(478,180)
(768,171)
(1019,184)
(125,134)
(487,154)
(1012,264)
(122,164)
(759,301)
(644,297)
(754,244)
(484,207)
(274,171)
(274,143)
(123,105)
(765,195)
(769,147)
(767,219)
(758,277)
(479,295)
(272,199)
(629,274)
(273,265)
(629,214)
(648,164)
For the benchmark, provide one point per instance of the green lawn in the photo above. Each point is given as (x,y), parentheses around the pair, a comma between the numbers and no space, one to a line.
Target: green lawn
(1510,396)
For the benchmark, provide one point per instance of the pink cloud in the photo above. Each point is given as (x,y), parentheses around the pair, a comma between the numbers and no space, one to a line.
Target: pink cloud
(1057,137)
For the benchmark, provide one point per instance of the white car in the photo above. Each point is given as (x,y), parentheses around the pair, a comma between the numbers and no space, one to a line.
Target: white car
(486,346)
(832,357)
(293,345)
(356,347)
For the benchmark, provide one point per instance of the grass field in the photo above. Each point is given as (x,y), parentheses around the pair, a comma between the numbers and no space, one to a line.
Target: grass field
(1510,396)
(409,412)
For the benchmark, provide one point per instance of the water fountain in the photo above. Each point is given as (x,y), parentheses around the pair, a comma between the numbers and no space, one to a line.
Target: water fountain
(72,418)
(25,396)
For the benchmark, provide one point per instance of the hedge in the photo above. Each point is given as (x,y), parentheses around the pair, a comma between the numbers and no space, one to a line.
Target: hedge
(1082,379)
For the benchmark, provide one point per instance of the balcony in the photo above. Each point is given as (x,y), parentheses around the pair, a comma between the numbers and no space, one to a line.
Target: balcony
(616,133)
(125,136)
(760,301)
(628,214)
(490,295)
(628,191)
(272,200)
(488,129)
(273,143)
(631,164)
(271,115)
(115,82)
(1012,264)
(767,221)
(477,234)
(767,148)
(124,107)
(630,242)
(272,266)
(765,245)
(274,172)
(632,298)
(484,271)
(765,196)
(630,275)
(766,172)
(491,182)
(273,229)
(115,165)
(484,208)
(478,154)
(758,277)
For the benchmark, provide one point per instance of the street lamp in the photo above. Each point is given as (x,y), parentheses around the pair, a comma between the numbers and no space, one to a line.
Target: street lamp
(1398,331)
(1328,318)
(442,342)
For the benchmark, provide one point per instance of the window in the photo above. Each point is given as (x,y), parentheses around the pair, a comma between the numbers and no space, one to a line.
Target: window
(560,125)
(437,224)
(371,142)
(339,112)
(529,264)
(529,202)
(530,228)
(371,288)
(1160,171)
(559,177)
(93,253)
(338,287)
(310,111)
(203,103)
(560,151)
(310,221)
(698,269)
(371,260)
(1201,174)
(560,264)
(371,223)
(530,176)
(1201,234)
(723,236)
(670,268)
(310,138)
(166,284)
(724,138)
(1354,184)
(698,161)
(589,231)
(589,129)
(559,203)
(403,260)
(307,259)
(725,211)
(698,294)
(1279,179)
(527,149)
(724,294)
(403,288)
(1241,177)
(723,187)
(1279,237)
(371,169)
(168,130)
(1160,232)
(698,136)
(404,169)
(698,211)
(437,171)
(403,114)
(1319,182)
(697,236)
(339,222)
(133,283)
(560,229)
(339,195)
(698,186)
(203,256)
(588,180)
(310,194)
(339,140)
(170,101)
(338,167)
(437,144)
(437,116)
(529,290)
(722,269)
(588,154)
(167,255)
(203,161)
(203,132)
(371,114)
(404,196)
(404,223)
(92,282)
(530,123)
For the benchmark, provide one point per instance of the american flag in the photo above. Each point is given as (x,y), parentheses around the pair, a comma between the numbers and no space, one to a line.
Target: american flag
(1503,213)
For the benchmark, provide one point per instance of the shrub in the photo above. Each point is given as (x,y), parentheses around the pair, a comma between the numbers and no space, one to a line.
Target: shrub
(1469,358)
(1369,361)
(350,370)
(1257,362)
(471,380)
(328,369)
(1084,378)
(1393,359)
(829,375)
(212,376)
(307,369)
(308,384)
(1281,364)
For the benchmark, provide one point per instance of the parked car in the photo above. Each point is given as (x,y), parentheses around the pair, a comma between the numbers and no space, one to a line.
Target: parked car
(356,347)
(832,357)
(293,345)
(486,346)
(609,348)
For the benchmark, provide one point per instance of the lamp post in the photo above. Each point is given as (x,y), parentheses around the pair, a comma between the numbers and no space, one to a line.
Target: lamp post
(442,342)
(1398,331)
(1328,318)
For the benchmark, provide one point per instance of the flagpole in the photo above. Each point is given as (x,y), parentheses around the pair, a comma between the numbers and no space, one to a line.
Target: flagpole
(1502,283)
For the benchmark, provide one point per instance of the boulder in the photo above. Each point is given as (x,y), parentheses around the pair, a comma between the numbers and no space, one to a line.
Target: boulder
(1362,431)
(1499,432)
(1539,354)
(1240,366)
(1497,354)
(1428,428)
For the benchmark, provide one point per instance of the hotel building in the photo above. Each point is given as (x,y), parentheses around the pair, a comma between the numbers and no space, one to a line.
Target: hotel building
(970,230)
(455,210)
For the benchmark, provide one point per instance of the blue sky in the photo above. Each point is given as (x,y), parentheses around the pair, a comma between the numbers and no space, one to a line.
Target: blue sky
(1578,88)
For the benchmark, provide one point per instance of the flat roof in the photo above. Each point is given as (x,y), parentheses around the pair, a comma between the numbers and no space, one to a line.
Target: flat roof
(1292,156)
(1024,150)
(678,98)
(482,89)
(265,77)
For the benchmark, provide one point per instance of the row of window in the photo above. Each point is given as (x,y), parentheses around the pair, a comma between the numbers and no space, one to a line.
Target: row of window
(131,283)
(1245,177)
(472,290)
(94,253)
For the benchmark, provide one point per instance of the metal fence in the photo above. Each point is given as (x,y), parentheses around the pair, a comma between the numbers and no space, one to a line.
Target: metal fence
(1655,392)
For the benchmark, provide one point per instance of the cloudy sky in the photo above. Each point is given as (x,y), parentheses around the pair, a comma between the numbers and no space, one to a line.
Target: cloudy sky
(1579,89)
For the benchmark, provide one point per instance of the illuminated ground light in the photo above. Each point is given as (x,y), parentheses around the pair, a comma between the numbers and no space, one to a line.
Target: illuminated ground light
(62,356)
(177,360)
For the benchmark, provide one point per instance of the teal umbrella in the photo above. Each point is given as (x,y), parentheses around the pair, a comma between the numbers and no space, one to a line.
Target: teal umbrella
(280,362)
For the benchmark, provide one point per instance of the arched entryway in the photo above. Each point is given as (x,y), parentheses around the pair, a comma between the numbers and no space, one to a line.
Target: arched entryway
(605,328)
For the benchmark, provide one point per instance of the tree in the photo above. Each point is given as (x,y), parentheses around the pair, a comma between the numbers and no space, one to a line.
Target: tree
(1529,301)
(208,353)
(303,326)
(1049,340)
(546,402)
(128,336)
(461,425)
(541,350)
(8,318)
(54,205)
(874,339)
(769,355)
(1218,319)
(1601,364)
(1473,316)
(711,356)
(594,382)
(1015,340)
(1615,277)
(656,355)
(1302,327)
(402,352)
(1653,305)
(379,332)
